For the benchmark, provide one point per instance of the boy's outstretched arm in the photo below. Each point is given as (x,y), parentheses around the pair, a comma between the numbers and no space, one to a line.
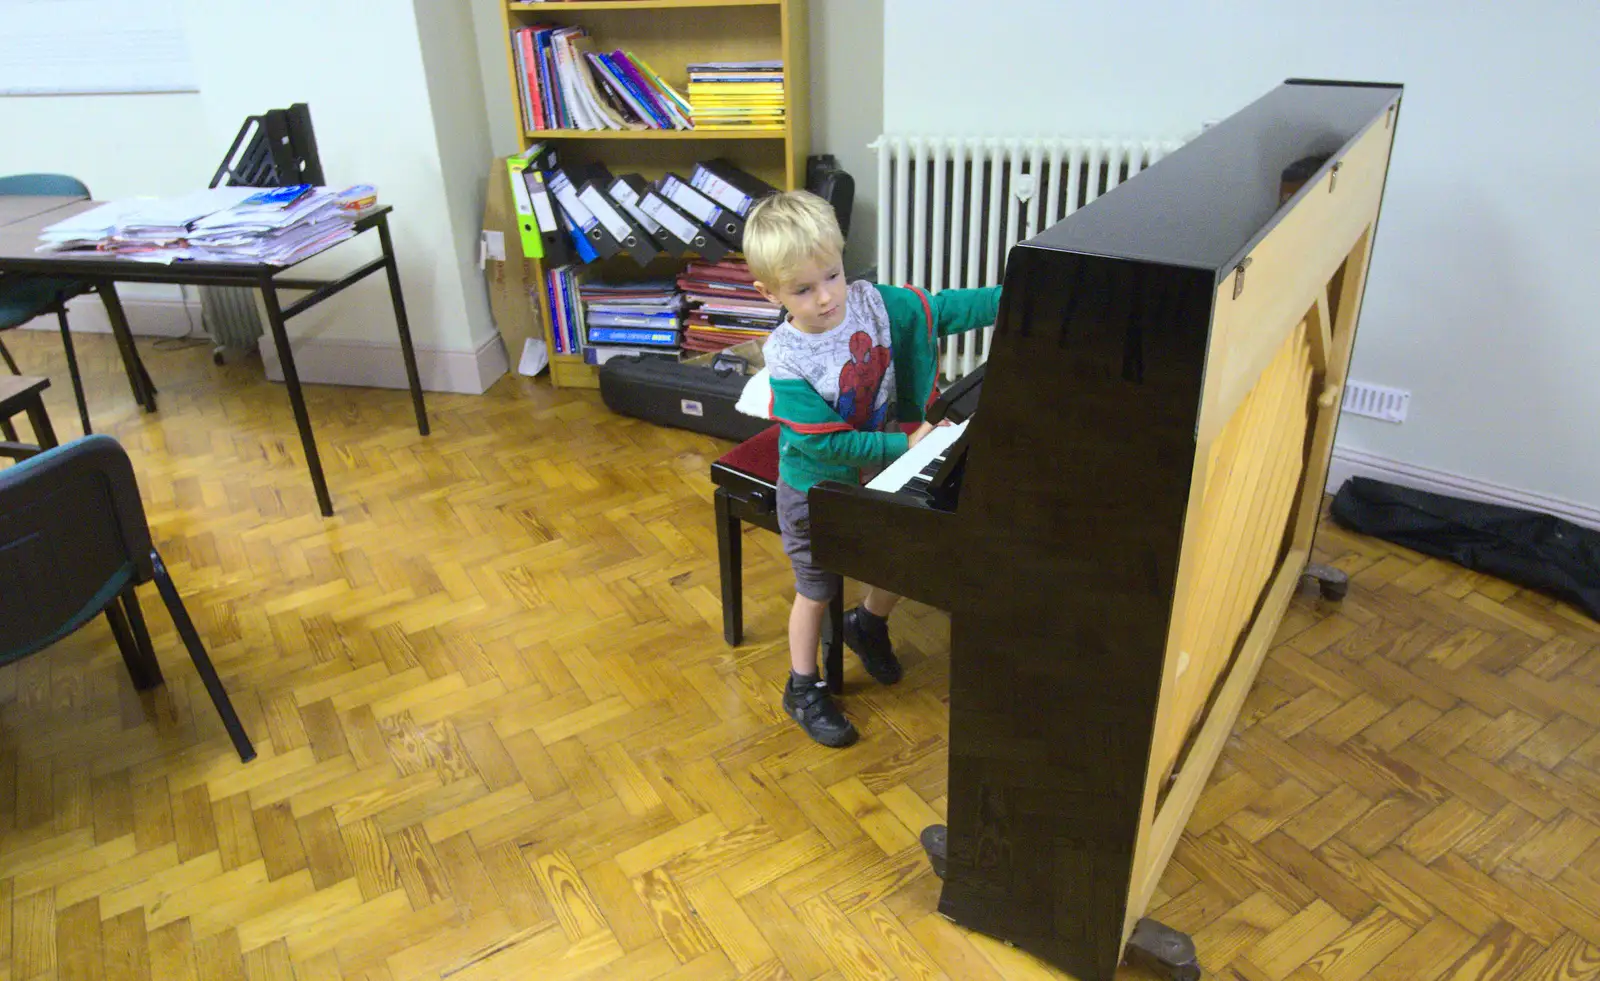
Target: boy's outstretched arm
(953,311)
(958,311)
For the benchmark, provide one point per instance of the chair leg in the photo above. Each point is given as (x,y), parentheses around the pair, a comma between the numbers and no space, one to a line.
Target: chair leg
(202,662)
(72,369)
(10,361)
(833,640)
(142,665)
(118,620)
(8,431)
(730,545)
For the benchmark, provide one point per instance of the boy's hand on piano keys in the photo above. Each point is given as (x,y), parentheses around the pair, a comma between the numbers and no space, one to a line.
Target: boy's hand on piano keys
(915,436)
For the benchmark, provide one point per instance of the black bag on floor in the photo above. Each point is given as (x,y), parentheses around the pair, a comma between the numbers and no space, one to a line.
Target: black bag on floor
(670,393)
(1539,551)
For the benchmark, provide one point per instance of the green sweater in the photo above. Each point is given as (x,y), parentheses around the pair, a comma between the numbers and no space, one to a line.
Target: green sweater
(815,444)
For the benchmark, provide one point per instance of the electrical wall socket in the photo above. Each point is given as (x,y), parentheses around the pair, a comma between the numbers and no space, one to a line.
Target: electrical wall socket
(1376,401)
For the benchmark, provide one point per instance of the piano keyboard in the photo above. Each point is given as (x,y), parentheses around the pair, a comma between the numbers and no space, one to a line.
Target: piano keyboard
(912,471)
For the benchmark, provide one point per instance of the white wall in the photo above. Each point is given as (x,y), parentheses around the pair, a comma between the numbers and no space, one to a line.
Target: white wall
(488,21)
(847,107)
(392,106)
(1483,292)
(70,134)
(461,133)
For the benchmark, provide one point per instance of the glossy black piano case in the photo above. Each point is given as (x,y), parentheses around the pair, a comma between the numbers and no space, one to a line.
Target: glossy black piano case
(670,393)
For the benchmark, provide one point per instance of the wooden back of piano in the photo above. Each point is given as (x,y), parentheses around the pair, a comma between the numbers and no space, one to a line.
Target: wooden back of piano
(1142,488)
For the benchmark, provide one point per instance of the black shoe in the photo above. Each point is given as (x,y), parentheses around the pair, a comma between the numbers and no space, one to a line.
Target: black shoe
(868,636)
(809,704)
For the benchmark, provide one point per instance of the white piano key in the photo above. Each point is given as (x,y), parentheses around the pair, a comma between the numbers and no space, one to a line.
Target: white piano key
(897,474)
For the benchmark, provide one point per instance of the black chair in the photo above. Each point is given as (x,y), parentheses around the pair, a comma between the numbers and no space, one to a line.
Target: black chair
(73,544)
(23,298)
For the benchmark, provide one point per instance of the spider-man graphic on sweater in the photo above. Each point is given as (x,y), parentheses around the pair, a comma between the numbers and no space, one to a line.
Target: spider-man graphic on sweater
(850,366)
(859,382)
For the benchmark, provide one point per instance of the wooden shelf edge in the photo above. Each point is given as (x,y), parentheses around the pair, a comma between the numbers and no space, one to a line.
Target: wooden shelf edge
(636,5)
(743,133)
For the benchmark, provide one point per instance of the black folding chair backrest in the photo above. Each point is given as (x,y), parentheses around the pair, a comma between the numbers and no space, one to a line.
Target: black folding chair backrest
(72,535)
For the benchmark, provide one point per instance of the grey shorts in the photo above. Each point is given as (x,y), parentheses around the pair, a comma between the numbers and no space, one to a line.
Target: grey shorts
(794,521)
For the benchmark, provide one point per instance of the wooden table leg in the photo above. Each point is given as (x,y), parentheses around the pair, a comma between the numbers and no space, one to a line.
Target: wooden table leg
(291,379)
(72,369)
(402,325)
(43,433)
(138,379)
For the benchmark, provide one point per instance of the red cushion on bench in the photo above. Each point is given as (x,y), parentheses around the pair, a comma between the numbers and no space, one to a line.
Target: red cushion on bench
(756,456)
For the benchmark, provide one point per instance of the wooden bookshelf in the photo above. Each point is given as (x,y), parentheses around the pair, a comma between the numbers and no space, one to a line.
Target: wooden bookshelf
(639,4)
(727,133)
(669,35)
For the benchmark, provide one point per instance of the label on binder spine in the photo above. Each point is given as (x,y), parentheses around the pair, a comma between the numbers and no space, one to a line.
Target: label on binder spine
(625,196)
(608,216)
(580,215)
(669,219)
(691,201)
(721,191)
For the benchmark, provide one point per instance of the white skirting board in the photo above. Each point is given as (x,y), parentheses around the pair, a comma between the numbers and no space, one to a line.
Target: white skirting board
(161,314)
(1349,463)
(371,364)
(379,364)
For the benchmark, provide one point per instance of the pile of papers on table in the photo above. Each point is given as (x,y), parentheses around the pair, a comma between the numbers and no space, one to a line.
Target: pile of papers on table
(276,226)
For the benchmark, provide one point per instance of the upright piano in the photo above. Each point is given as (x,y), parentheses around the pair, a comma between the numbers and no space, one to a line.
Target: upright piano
(1123,506)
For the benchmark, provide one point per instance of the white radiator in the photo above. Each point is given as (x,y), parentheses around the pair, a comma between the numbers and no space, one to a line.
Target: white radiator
(950,208)
(232,316)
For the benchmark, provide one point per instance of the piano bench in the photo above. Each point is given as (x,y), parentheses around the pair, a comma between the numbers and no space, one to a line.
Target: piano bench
(747,491)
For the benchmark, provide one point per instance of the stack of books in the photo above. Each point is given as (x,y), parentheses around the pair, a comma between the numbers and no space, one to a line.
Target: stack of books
(566,309)
(736,94)
(643,318)
(726,309)
(562,83)
(277,226)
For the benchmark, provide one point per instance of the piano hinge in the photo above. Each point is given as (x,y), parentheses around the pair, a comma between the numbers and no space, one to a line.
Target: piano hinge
(1238,277)
(1333,176)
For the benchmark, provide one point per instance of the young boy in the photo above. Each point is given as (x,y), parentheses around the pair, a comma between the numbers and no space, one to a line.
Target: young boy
(848,365)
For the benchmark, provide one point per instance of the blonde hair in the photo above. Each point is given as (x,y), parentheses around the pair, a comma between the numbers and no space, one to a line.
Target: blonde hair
(785,230)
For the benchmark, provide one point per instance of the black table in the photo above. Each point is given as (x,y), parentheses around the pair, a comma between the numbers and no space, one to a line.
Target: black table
(19,207)
(19,240)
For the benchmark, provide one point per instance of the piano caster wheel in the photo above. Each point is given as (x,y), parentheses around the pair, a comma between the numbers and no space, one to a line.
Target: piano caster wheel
(935,841)
(1334,583)
(1164,950)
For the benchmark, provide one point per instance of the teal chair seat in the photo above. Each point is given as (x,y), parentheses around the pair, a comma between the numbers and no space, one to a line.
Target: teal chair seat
(24,297)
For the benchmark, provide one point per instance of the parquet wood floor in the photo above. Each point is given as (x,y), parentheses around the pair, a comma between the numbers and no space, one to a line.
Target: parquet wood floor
(501,737)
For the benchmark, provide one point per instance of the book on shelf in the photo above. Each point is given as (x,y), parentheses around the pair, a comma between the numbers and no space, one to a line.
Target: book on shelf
(725,308)
(599,354)
(564,82)
(733,94)
(634,314)
(566,309)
